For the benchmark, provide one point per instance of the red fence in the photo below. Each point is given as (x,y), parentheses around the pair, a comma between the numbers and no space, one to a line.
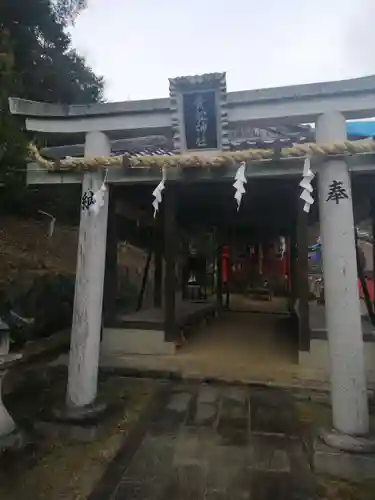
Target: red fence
(370,286)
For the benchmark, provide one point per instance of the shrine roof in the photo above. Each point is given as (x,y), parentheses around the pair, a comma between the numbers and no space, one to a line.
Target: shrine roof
(160,146)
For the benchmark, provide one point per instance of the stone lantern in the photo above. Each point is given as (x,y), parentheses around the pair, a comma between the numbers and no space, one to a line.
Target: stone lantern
(9,436)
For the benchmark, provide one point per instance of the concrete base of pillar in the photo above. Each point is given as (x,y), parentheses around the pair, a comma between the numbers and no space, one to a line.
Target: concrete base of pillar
(10,436)
(12,441)
(88,413)
(342,464)
(351,444)
(77,424)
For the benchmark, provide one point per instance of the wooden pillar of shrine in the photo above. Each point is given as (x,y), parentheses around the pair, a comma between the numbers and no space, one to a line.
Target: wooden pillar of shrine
(111,261)
(158,272)
(219,277)
(225,261)
(293,271)
(170,264)
(302,278)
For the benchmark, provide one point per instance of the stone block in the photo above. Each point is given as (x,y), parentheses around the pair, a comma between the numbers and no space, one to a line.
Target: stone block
(334,462)
(206,414)
(270,453)
(71,432)
(152,461)
(186,483)
(273,411)
(208,394)
(267,485)
(179,402)
(234,412)
(238,394)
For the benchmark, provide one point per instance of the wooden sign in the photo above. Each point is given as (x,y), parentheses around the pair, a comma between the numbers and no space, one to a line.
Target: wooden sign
(199,115)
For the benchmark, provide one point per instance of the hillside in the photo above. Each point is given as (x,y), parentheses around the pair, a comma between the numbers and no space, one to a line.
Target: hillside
(27,250)
(37,273)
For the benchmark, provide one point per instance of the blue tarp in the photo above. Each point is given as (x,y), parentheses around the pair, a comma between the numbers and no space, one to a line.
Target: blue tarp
(314,256)
(361,129)
(312,248)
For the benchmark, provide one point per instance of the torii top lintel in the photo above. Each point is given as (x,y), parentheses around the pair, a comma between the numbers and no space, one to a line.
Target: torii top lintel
(263,107)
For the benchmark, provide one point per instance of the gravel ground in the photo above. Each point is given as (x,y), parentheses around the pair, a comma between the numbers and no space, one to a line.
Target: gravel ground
(52,467)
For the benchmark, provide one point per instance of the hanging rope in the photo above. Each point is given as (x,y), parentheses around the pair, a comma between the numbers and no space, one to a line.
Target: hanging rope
(222,159)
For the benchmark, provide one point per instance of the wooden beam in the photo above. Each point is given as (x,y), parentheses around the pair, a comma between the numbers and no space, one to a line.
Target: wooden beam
(144,280)
(111,261)
(293,270)
(184,267)
(158,273)
(302,277)
(219,277)
(170,258)
(227,284)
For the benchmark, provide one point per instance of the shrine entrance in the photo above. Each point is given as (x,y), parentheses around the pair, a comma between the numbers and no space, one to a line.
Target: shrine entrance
(227,275)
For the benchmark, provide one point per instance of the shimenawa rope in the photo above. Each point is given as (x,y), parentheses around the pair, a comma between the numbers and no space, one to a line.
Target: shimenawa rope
(221,159)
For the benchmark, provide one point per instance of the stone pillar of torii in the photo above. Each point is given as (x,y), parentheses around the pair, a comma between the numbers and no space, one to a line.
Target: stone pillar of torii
(343,316)
(88,298)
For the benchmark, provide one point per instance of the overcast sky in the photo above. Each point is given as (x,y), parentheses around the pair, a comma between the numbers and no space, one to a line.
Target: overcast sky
(137,45)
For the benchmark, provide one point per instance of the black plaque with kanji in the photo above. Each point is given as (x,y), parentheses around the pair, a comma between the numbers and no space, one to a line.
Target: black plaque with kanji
(200,120)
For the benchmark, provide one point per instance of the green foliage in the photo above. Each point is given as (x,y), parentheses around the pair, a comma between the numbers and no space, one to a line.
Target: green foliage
(45,65)
(12,141)
(37,62)
(67,10)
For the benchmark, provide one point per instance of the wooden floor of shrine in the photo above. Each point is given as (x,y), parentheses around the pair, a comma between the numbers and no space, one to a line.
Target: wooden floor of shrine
(186,313)
(239,345)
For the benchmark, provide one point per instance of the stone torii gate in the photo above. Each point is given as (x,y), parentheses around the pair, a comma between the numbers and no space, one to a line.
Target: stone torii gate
(326,104)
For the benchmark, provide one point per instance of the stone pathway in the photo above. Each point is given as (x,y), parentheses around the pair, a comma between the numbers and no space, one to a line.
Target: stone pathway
(219,443)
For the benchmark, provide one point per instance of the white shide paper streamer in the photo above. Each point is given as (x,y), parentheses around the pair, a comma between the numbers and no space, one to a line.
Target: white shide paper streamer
(98,198)
(239,182)
(157,193)
(306,185)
